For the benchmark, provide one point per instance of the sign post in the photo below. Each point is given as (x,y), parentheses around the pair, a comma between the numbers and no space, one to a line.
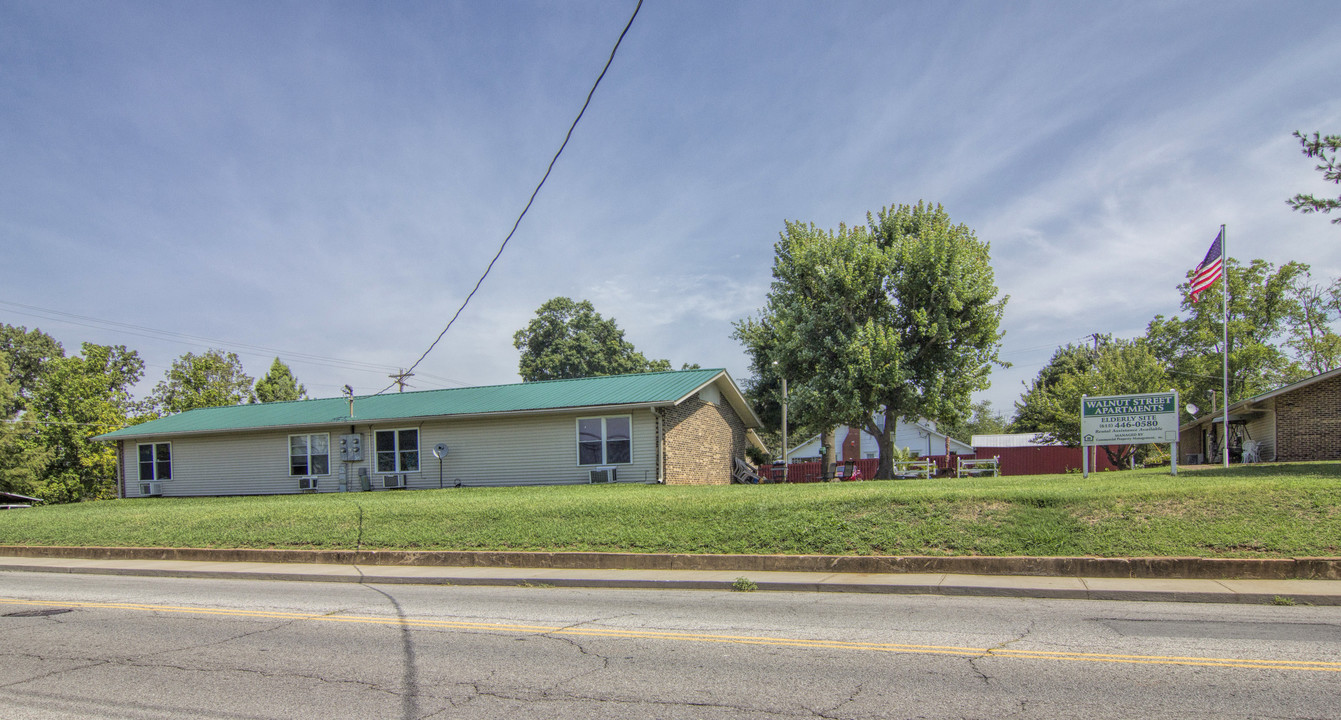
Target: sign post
(1129,420)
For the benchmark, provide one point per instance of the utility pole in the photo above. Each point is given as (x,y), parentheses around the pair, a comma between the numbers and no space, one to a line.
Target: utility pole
(400,379)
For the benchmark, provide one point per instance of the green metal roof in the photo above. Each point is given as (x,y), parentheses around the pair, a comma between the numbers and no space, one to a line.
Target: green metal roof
(614,390)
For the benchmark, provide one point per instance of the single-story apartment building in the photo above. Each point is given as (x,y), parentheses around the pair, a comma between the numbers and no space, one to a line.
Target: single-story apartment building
(920,436)
(681,427)
(1298,422)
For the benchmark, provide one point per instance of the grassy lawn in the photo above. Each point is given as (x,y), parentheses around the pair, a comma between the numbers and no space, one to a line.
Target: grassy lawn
(1255,511)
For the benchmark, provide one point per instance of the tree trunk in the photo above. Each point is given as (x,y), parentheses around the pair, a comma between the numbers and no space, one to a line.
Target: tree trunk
(884,437)
(827,461)
(1120,456)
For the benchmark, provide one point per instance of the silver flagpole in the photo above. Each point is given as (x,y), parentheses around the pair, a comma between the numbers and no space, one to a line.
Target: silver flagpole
(1224,268)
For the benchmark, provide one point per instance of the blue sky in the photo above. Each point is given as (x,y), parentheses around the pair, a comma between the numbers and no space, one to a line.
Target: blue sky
(326,181)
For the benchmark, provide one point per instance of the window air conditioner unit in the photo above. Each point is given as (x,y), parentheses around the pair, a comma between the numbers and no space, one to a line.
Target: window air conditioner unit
(307,483)
(603,475)
(151,489)
(391,482)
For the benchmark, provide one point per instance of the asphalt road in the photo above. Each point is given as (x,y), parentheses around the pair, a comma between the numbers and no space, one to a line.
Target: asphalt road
(136,647)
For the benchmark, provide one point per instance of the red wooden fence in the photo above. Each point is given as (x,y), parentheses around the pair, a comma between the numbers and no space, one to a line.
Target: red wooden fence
(1042,459)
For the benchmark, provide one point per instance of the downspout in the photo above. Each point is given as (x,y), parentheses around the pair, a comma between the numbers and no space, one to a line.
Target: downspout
(660,433)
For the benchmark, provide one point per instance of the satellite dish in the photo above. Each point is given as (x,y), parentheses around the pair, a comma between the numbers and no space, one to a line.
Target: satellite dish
(440,450)
(1192,409)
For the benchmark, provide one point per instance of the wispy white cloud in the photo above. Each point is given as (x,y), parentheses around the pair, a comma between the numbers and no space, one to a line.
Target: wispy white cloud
(333,180)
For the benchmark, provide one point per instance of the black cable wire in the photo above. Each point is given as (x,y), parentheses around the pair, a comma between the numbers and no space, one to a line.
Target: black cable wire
(529,202)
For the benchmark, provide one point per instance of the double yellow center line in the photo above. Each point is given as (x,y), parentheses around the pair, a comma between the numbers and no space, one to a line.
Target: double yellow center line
(1248,663)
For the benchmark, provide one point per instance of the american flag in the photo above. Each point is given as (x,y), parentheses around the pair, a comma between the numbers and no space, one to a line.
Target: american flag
(1210,269)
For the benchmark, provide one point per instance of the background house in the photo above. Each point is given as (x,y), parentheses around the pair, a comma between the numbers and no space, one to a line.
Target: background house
(1297,422)
(920,436)
(680,427)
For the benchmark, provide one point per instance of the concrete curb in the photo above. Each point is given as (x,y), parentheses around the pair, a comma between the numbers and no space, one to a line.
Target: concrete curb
(1308,592)
(1091,567)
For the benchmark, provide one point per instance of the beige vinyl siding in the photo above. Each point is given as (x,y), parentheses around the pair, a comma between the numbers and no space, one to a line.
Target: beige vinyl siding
(240,464)
(1263,431)
(527,450)
(535,450)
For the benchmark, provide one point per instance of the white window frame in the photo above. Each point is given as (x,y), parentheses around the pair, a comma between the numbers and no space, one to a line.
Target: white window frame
(154,461)
(308,443)
(395,435)
(605,440)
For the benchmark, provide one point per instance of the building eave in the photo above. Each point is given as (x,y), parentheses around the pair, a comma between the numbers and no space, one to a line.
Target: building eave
(407,420)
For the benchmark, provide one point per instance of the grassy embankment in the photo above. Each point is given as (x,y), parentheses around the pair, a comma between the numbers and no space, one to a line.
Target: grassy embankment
(1255,511)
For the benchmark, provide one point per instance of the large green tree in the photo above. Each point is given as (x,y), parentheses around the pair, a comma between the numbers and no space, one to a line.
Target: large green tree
(1050,405)
(82,396)
(870,324)
(1261,303)
(279,385)
(28,352)
(763,390)
(1310,325)
(211,379)
(22,460)
(53,406)
(1324,148)
(569,339)
(1032,413)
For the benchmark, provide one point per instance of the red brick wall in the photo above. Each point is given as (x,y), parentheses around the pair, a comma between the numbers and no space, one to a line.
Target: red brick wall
(1308,422)
(1189,443)
(852,445)
(701,441)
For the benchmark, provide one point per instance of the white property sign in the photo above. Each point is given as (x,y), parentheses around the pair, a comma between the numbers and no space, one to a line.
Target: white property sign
(1129,419)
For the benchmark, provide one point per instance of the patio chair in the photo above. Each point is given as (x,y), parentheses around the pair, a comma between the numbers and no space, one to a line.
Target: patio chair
(1250,451)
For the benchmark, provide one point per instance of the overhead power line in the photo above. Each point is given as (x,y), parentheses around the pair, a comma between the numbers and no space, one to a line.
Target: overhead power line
(1015,352)
(197,340)
(529,202)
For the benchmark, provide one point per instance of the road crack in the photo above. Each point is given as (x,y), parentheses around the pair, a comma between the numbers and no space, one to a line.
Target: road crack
(989,652)
(557,635)
(224,641)
(829,713)
(53,673)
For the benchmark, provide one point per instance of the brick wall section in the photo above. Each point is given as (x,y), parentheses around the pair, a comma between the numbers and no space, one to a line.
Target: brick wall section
(1308,422)
(701,441)
(1189,442)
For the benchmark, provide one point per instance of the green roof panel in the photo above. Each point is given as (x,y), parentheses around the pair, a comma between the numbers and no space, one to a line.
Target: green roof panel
(642,389)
